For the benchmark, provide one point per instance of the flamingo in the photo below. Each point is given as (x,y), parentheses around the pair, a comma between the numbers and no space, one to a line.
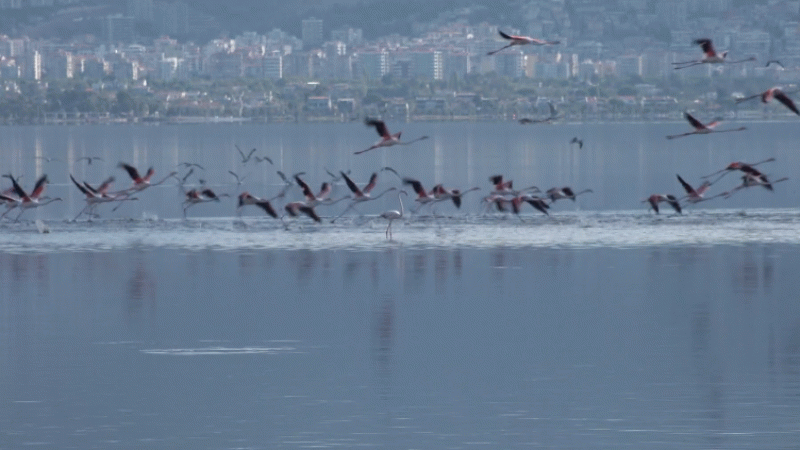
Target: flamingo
(694,195)
(565,192)
(700,128)
(311,199)
(503,187)
(194,197)
(33,200)
(774,61)
(553,116)
(521,40)
(575,140)
(387,139)
(442,194)
(190,165)
(295,208)
(655,199)
(141,183)
(246,199)
(423,197)
(361,195)
(537,202)
(96,196)
(394,214)
(737,165)
(750,180)
(775,93)
(711,56)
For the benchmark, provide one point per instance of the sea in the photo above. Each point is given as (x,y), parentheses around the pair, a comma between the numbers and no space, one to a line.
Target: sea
(601,325)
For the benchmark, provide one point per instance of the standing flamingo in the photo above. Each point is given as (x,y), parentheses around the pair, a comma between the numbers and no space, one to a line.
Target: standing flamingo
(655,199)
(521,40)
(700,128)
(387,139)
(33,200)
(711,56)
(361,195)
(394,214)
(775,93)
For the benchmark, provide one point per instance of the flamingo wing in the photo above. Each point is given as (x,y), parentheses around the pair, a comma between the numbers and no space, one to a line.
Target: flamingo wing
(373,181)
(38,189)
(785,100)
(350,184)
(416,185)
(380,127)
(505,36)
(267,207)
(103,188)
(706,45)
(309,211)
(210,194)
(81,188)
(324,190)
(686,186)
(306,189)
(132,172)
(694,122)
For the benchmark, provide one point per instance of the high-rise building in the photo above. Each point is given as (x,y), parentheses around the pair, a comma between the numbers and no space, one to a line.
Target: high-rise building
(373,65)
(427,64)
(140,9)
(118,28)
(312,32)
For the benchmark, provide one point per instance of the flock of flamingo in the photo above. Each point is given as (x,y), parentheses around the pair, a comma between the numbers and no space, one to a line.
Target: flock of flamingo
(502,197)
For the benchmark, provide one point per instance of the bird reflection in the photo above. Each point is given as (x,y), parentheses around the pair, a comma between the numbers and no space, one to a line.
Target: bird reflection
(383,331)
(458,264)
(141,289)
(711,380)
(440,270)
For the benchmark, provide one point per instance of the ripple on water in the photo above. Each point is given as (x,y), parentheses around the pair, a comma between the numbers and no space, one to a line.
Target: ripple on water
(616,229)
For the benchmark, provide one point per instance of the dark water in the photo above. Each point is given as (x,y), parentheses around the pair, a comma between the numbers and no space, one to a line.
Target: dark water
(600,327)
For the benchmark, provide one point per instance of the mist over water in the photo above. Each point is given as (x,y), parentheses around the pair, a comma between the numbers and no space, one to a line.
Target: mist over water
(601,326)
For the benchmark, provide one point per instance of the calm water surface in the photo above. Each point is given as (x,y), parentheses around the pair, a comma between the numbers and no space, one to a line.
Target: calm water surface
(600,327)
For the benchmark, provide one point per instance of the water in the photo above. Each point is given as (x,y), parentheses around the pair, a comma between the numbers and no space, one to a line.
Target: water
(602,326)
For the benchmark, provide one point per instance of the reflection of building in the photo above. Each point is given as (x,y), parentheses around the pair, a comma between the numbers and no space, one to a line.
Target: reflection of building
(312,32)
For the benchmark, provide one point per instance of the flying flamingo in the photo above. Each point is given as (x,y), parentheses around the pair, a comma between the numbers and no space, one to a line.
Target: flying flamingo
(737,165)
(442,194)
(711,56)
(694,195)
(750,180)
(565,192)
(311,199)
(775,93)
(394,214)
(553,116)
(89,159)
(361,195)
(537,202)
(141,183)
(521,40)
(194,197)
(246,199)
(96,196)
(423,197)
(295,208)
(655,199)
(506,187)
(33,200)
(700,128)
(387,139)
